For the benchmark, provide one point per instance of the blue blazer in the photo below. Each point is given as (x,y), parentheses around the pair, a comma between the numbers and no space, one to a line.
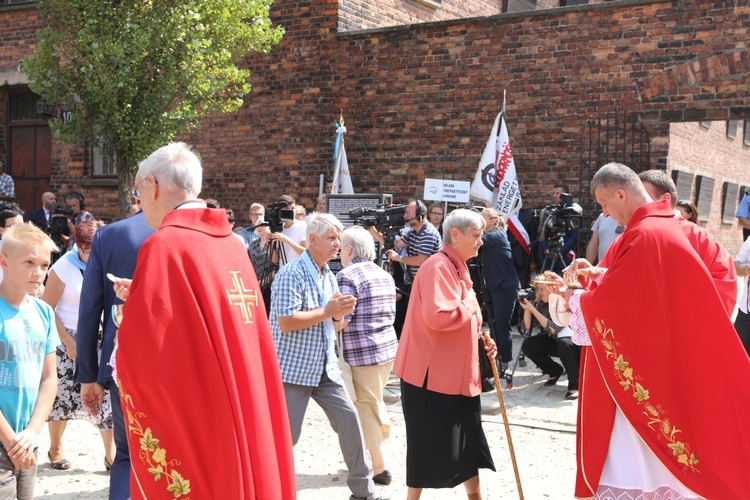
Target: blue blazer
(37,218)
(114,250)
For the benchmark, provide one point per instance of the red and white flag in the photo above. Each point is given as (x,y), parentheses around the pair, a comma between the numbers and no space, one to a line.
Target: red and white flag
(496,182)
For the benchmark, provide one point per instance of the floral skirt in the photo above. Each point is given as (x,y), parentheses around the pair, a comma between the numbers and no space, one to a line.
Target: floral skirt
(68,404)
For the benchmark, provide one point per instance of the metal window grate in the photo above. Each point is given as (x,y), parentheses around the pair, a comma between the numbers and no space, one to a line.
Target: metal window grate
(22,107)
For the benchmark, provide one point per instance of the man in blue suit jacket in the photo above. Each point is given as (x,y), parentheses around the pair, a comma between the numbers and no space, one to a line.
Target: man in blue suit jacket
(40,216)
(114,250)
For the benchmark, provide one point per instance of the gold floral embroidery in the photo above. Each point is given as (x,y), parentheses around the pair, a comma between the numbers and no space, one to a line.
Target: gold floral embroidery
(658,421)
(152,455)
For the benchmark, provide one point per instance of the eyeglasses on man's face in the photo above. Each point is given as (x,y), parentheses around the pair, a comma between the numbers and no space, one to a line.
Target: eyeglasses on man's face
(136,192)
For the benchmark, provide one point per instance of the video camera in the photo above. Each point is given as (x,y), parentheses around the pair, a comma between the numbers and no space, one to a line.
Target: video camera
(555,220)
(58,218)
(388,221)
(277,214)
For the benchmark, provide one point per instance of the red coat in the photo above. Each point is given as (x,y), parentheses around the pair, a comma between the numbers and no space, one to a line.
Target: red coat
(665,353)
(199,378)
(441,329)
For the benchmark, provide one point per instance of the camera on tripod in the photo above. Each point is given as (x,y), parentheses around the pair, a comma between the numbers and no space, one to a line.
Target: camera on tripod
(388,221)
(276,214)
(556,220)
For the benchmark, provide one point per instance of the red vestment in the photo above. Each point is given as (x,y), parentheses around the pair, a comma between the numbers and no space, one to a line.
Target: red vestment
(665,353)
(199,378)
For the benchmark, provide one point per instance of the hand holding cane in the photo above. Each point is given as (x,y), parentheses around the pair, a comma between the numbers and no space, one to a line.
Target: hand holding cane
(487,340)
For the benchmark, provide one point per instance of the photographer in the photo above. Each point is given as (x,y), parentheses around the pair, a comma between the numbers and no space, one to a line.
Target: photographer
(420,242)
(74,202)
(263,259)
(553,340)
(292,234)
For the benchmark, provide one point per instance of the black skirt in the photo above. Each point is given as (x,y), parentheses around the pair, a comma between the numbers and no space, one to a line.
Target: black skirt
(445,442)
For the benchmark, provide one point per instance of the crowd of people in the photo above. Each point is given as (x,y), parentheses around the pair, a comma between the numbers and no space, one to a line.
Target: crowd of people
(115,323)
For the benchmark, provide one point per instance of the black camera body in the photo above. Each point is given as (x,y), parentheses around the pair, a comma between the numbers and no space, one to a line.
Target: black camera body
(527,293)
(278,213)
(58,218)
(556,220)
(388,221)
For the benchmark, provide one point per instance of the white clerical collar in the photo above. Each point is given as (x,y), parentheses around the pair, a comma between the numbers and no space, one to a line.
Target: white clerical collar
(190,204)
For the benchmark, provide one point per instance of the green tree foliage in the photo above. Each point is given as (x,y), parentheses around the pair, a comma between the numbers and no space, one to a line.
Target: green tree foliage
(135,73)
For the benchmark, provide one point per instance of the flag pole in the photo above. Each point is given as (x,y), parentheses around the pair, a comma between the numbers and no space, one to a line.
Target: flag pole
(504,91)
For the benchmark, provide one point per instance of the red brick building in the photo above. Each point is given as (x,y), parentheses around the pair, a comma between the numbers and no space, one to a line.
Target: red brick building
(419,99)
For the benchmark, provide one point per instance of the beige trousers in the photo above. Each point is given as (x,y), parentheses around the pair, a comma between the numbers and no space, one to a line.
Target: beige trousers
(369,382)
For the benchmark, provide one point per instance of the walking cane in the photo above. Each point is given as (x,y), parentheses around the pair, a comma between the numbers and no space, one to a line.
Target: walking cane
(505,418)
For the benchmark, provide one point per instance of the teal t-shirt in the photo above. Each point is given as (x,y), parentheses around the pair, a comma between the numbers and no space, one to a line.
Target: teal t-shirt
(27,335)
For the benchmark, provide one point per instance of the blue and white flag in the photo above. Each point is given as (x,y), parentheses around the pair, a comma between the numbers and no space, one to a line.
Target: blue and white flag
(342,181)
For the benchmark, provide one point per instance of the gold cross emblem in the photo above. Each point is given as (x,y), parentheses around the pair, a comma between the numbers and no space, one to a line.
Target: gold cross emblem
(243,297)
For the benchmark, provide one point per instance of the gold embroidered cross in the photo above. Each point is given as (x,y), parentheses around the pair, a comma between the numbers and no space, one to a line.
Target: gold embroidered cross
(243,297)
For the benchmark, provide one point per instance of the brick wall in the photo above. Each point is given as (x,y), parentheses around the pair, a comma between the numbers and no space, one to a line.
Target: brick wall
(364,14)
(419,101)
(707,151)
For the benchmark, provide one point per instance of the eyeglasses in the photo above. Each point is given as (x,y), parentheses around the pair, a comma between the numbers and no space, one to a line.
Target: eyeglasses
(136,193)
(437,213)
(683,202)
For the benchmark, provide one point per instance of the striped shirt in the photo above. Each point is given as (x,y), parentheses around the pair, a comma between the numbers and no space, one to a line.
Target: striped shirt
(369,338)
(425,242)
(303,354)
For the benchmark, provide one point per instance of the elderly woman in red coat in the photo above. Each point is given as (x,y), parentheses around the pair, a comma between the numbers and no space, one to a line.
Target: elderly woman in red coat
(438,362)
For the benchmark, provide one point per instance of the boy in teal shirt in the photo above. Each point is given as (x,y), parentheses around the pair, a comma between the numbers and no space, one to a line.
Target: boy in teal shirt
(28,339)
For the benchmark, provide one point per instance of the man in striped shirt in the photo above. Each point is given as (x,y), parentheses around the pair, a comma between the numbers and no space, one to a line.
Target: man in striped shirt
(420,242)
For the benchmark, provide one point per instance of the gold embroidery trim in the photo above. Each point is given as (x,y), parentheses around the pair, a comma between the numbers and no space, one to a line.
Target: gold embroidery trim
(154,456)
(658,421)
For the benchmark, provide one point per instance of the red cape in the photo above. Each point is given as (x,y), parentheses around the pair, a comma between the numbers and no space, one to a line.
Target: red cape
(199,378)
(665,353)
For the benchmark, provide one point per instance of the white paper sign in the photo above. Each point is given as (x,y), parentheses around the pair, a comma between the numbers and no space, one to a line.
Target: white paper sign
(446,190)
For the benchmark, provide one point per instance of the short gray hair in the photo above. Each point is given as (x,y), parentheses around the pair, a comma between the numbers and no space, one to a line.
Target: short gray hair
(463,220)
(319,224)
(361,241)
(616,175)
(174,164)
(662,182)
